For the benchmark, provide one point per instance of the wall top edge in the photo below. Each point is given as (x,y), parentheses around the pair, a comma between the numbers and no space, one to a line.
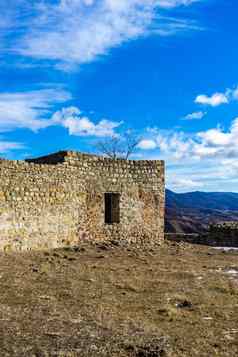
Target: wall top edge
(68,156)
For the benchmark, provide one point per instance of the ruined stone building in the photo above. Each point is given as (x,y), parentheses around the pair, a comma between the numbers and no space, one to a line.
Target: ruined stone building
(67,197)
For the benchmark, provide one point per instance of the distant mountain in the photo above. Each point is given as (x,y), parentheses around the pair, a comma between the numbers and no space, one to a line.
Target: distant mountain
(192,212)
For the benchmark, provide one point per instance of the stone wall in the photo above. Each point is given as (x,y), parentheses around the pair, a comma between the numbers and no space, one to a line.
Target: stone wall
(58,200)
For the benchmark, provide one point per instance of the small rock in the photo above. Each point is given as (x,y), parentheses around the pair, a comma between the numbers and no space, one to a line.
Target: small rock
(71,258)
(184,304)
(100,256)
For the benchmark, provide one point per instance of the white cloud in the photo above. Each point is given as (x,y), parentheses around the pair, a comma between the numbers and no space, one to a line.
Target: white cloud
(195,115)
(29,109)
(78,31)
(216,138)
(184,184)
(35,110)
(147,144)
(77,124)
(235,94)
(206,159)
(173,3)
(6,146)
(213,143)
(174,144)
(215,100)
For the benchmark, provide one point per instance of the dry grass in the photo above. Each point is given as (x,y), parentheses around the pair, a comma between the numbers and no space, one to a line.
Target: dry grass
(99,300)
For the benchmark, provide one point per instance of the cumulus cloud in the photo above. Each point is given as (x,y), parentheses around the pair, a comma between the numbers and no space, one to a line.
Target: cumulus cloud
(80,125)
(72,32)
(206,159)
(213,143)
(235,94)
(147,144)
(217,138)
(214,101)
(184,184)
(195,115)
(35,110)
(217,99)
(29,109)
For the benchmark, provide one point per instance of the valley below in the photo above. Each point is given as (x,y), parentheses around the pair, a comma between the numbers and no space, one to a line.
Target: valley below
(192,212)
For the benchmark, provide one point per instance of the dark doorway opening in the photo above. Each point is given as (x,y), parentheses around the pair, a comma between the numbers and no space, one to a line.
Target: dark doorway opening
(112,207)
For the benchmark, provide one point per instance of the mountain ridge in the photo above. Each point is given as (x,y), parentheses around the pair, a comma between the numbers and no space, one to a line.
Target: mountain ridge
(192,212)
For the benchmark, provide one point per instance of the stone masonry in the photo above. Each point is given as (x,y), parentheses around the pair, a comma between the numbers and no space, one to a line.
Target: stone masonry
(59,200)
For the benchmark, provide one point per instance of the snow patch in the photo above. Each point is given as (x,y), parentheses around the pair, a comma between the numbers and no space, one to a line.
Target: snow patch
(232,271)
(226,249)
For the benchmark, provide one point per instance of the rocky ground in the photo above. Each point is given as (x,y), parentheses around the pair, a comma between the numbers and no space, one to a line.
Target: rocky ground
(177,300)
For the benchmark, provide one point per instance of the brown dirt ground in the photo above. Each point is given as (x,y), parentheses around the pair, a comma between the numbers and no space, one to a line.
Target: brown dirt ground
(176,300)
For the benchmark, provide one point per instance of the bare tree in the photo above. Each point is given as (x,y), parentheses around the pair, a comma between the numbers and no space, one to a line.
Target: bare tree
(119,146)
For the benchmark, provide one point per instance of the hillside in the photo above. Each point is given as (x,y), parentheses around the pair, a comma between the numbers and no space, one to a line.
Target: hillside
(193,211)
(104,300)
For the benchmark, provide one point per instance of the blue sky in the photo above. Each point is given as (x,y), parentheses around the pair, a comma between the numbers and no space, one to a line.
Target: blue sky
(77,71)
